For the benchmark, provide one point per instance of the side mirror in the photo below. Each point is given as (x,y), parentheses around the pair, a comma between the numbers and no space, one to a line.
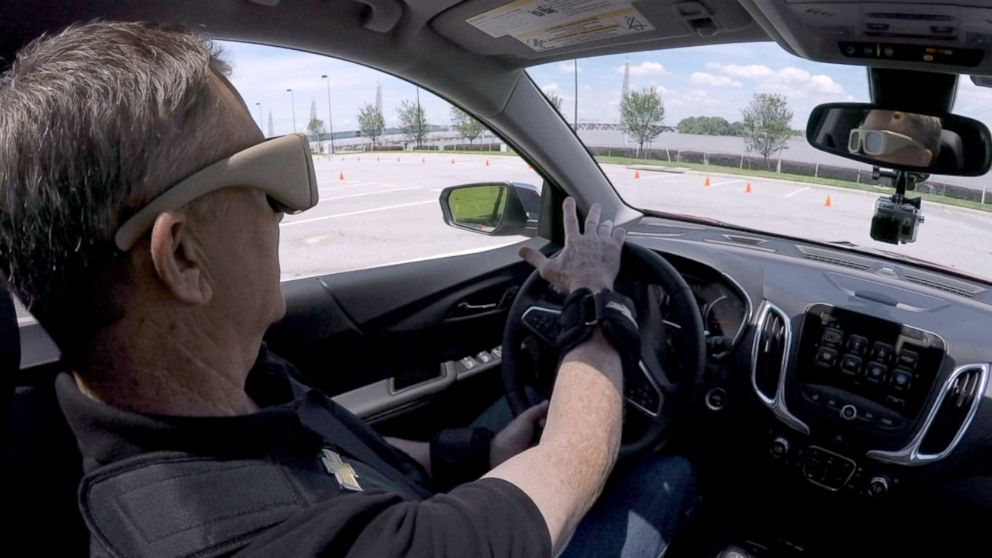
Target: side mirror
(907,141)
(495,209)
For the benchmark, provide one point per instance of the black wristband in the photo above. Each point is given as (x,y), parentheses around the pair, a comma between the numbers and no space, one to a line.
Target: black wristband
(459,455)
(612,312)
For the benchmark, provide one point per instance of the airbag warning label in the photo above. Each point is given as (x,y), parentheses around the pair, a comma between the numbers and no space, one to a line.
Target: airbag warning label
(549,24)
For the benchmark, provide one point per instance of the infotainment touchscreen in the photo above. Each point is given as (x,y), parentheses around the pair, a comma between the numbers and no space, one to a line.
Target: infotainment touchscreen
(889,363)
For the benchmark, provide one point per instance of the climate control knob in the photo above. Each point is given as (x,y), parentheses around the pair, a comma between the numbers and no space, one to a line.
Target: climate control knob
(878,486)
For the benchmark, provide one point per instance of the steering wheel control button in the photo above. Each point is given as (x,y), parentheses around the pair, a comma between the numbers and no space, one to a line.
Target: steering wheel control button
(878,486)
(780,448)
(827,469)
(826,358)
(901,379)
(857,344)
(543,322)
(850,365)
(716,399)
(848,412)
(882,352)
(875,372)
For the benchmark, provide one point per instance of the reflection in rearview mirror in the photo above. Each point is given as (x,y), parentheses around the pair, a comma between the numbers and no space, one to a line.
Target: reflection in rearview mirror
(939,144)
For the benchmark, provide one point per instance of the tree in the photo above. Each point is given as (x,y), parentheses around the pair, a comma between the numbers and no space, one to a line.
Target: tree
(641,115)
(766,124)
(316,126)
(555,100)
(371,122)
(705,125)
(467,126)
(413,122)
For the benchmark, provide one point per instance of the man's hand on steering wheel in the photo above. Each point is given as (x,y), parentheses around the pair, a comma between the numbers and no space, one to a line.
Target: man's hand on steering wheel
(590,259)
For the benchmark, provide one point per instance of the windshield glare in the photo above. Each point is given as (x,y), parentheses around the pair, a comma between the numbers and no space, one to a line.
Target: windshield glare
(718,133)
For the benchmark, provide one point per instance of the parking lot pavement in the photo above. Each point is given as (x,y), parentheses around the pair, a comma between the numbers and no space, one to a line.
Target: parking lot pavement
(955,237)
(381,209)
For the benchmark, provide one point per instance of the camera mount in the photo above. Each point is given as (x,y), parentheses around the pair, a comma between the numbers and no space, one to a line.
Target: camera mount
(897,216)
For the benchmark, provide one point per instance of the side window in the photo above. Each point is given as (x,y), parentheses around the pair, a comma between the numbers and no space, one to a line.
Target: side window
(384,150)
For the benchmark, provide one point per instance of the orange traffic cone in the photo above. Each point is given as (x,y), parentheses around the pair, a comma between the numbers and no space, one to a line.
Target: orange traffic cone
(828,203)
(748,189)
(637,175)
(707,184)
(341,177)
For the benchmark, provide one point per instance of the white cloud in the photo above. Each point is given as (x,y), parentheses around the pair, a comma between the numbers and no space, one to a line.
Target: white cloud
(790,81)
(710,80)
(568,67)
(551,88)
(645,69)
(749,71)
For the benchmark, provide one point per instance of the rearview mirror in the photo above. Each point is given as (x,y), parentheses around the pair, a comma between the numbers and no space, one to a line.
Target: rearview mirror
(937,144)
(495,209)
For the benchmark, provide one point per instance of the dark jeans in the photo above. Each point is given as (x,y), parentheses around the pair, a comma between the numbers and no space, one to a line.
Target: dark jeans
(641,510)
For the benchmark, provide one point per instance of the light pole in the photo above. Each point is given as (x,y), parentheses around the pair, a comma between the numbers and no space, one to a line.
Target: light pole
(260,124)
(575,119)
(292,102)
(420,123)
(330,119)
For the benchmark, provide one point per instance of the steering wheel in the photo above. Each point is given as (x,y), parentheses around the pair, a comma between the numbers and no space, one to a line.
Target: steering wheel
(668,382)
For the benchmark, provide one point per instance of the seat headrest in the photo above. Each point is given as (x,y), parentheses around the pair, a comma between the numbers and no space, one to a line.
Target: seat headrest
(10,357)
(951,153)
(10,336)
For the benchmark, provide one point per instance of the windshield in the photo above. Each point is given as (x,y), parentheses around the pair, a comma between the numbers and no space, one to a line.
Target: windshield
(679,145)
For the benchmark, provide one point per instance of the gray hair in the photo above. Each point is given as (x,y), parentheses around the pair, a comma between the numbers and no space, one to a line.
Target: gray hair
(94,122)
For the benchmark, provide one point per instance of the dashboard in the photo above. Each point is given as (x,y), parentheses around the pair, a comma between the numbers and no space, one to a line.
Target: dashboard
(856,375)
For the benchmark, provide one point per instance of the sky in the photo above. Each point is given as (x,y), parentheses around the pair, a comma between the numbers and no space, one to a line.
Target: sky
(699,81)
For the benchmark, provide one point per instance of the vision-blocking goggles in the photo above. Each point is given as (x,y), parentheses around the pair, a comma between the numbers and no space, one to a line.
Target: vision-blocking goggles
(878,142)
(281,167)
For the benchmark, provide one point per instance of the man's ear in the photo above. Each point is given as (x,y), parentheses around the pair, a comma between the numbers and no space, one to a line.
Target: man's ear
(178,259)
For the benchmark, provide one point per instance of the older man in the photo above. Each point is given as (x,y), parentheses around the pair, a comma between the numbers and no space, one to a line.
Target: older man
(140,224)
(901,138)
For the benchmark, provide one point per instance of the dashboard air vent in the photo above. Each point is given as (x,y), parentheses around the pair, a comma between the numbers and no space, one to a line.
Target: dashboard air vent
(820,12)
(770,346)
(955,410)
(943,283)
(835,258)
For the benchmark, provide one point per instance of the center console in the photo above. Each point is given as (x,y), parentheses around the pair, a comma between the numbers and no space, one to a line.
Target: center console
(871,373)
(853,394)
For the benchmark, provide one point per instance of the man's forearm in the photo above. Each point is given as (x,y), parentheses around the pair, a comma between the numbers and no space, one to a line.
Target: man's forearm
(565,473)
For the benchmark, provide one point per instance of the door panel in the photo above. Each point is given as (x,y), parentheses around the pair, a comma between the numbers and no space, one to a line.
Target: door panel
(397,333)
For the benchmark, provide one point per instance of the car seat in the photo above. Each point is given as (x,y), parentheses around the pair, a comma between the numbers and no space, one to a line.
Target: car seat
(41,464)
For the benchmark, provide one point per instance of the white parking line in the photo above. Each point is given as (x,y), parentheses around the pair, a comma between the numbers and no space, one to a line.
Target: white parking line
(350,213)
(369,193)
(799,191)
(725,182)
(349,185)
